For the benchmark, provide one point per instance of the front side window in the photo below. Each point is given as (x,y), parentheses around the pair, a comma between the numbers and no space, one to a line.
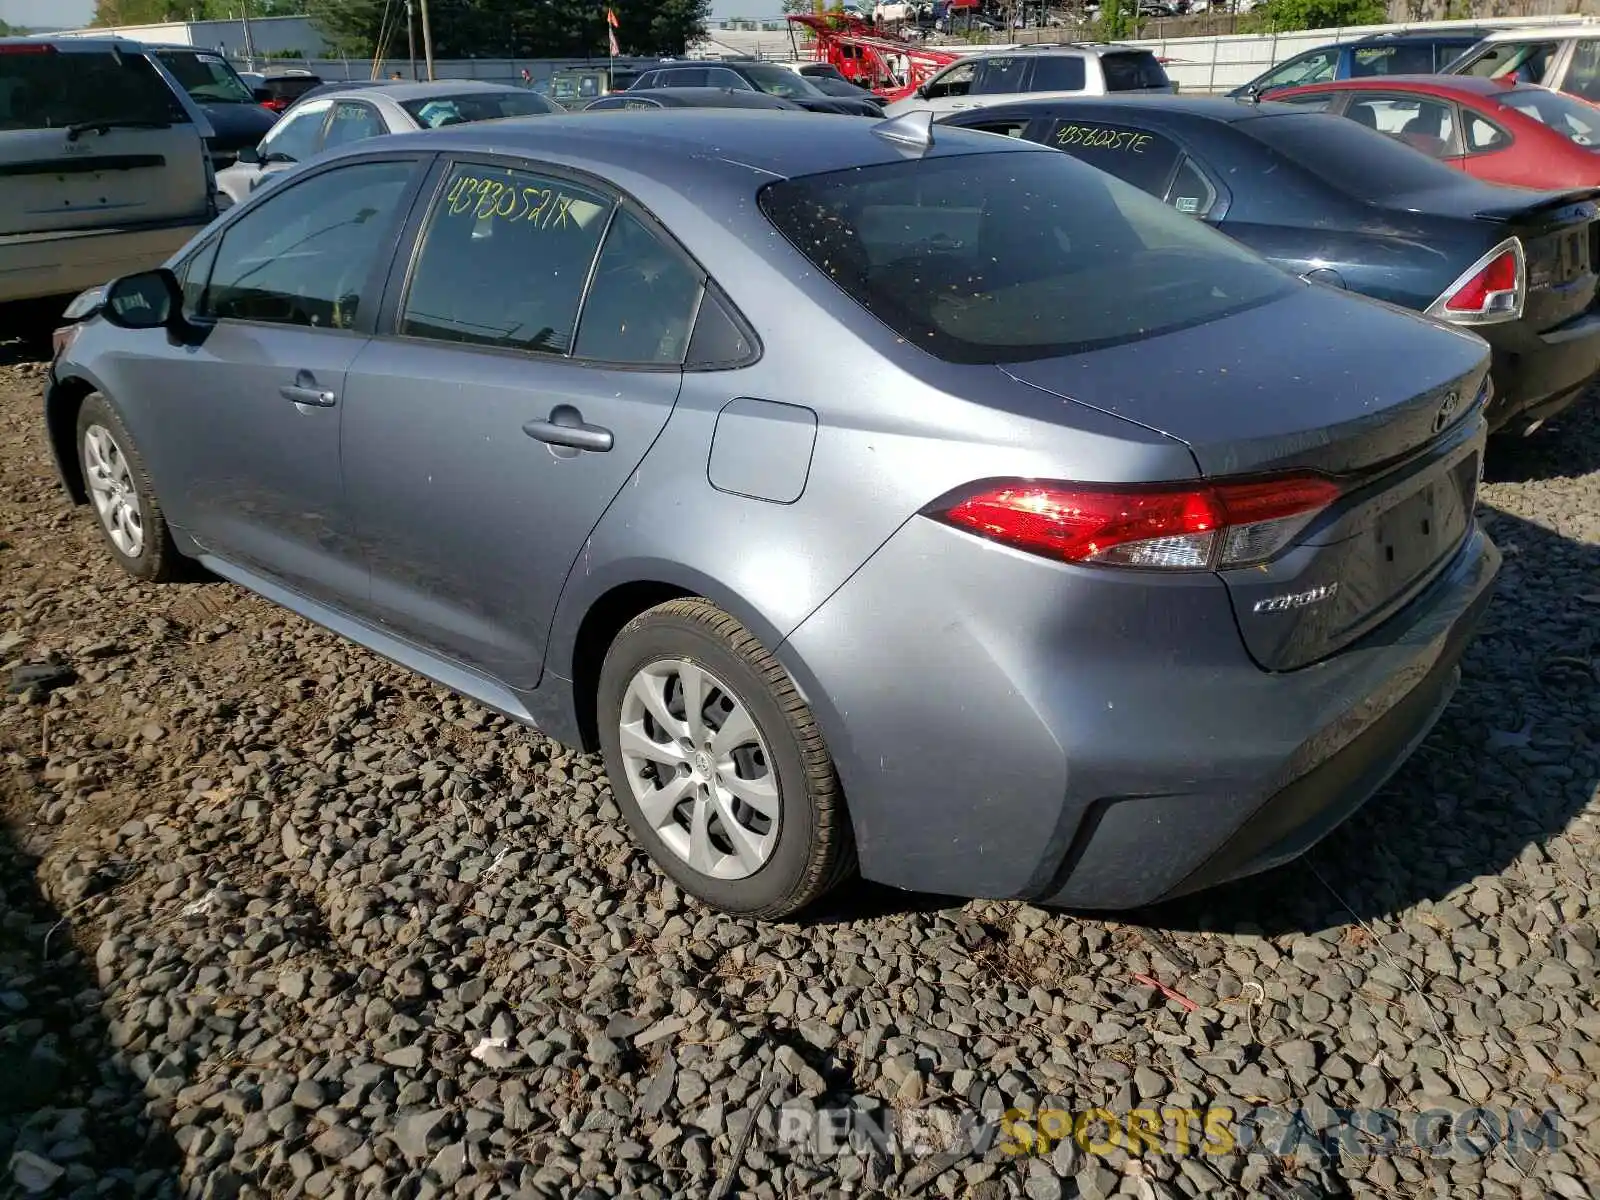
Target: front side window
(957,81)
(353,122)
(721,77)
(434,112)
(505,258)
(1525,62)
(1320,66)
(304,256)
(1133,155)
(51,89)
(776,81)
(1014,255)
(641,304)
(206,77)
(1576,120)
(298,136)
(1000,76)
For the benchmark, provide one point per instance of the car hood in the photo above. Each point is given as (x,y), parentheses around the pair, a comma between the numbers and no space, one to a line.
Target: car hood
(1277,386)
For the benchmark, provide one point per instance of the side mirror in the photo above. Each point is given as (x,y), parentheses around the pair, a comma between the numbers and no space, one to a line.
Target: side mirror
(250,156)
(148,300)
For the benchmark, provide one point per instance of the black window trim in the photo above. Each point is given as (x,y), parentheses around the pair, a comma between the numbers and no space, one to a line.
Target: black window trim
(368,316)
(397,285)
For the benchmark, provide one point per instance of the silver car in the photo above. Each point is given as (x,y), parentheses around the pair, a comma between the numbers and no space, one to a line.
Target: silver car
(862,491)
(330,119)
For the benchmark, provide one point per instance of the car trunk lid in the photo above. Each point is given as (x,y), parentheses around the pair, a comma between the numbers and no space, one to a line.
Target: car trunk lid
(1399,426)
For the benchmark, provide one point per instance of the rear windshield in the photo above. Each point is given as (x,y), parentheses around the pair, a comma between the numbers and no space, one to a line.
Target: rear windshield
(1131,71)
(436,111)
(1360,162)
(1576,120)
(1003,257)
(290,87)
(55,90)
(206,77)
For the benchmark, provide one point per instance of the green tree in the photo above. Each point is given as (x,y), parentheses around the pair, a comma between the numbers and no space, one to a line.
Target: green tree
(1325,14)
(512,28)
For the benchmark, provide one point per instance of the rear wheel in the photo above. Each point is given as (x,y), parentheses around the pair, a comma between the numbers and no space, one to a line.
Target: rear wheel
(718,764)
(124,503)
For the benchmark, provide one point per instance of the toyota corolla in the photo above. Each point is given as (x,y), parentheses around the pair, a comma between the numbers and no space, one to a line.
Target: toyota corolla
(866,493)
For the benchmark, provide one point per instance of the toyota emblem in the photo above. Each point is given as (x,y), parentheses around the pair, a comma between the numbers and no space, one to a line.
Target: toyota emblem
(1446,411)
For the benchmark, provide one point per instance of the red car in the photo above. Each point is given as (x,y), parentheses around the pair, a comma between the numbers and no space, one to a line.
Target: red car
(1497,130)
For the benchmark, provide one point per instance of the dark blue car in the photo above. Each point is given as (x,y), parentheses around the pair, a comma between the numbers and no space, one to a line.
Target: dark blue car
(1423,52)
(1324,197)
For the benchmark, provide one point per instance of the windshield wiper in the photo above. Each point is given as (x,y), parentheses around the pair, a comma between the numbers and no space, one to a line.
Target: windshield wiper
(102,127)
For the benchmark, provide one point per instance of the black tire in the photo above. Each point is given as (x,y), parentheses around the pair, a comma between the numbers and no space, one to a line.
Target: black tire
(814,849)
(157,560)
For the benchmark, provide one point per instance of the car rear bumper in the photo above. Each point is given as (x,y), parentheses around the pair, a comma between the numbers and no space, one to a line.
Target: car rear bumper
(1538,374)
(1010,727)
(33,266)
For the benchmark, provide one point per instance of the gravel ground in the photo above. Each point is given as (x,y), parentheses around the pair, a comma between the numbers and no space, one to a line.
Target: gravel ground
(281,919)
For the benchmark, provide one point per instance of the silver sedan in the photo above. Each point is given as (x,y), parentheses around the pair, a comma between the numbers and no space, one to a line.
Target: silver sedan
(336,115)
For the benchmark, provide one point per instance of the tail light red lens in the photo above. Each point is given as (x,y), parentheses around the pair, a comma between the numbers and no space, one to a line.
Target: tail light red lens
(1171,527)
(1491,290)
(28,48)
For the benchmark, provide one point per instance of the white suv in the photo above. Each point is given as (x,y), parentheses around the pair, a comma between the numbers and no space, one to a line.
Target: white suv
(1037,72)
(1565,58)
(103,164)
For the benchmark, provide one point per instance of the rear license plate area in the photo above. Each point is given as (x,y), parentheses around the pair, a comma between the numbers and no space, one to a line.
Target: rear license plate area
(1416,533)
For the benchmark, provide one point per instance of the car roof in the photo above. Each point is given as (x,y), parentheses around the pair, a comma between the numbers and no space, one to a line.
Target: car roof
(1543,33)
(672,144)
(706,97)
(405,89)
(1218,109)
(1461,85)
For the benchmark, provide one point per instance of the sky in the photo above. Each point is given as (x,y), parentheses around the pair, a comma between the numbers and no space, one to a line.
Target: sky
(58,14)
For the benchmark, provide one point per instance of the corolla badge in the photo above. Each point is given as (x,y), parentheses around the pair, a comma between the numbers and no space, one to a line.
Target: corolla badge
(1293,600)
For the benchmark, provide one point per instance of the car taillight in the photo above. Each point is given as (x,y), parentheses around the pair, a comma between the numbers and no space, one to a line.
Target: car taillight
(1169,526)
(28,48)
(1491,290)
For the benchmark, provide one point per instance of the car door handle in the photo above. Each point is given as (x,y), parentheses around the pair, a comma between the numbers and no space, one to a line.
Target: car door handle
(314,396)
(566,427)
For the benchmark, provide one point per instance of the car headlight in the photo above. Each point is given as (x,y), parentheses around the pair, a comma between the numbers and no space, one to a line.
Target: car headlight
(85,304)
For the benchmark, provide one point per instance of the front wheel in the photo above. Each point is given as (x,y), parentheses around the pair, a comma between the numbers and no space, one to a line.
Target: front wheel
(124,503)
(718,764)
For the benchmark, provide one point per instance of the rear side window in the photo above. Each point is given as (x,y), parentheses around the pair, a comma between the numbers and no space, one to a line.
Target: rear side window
(51,90)
(505,257)
(1133,155)
(1132,71)
(1057,73)
(641,305)
(1008,256)
(1577,121)
(1401,59)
